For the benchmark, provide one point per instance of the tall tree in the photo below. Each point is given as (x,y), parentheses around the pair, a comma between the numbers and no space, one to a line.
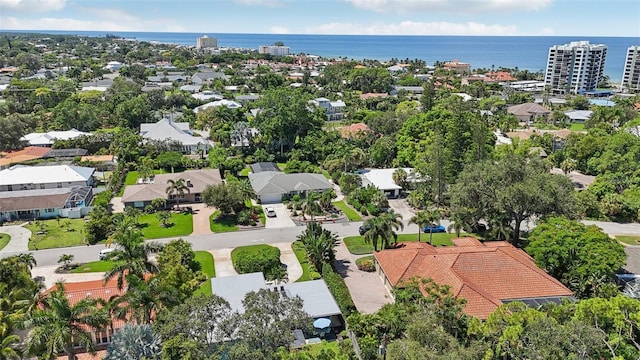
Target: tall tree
(582,257)
(382,227)
(516,186)
(319,244)
(59,325)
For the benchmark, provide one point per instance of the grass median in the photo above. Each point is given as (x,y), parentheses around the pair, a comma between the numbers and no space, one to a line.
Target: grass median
(351,214)
(4,240)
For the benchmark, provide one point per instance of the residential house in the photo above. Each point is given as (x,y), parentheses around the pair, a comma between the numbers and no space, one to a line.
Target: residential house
(354,130)
(230,104)
(94,289)
(457,66)
(207,95)
(68,202)
(414,90)
(272,186)
(247,98)
(578,116)
(21,177)
(527,113)
(168,130)
(147,190)
(207,77)
(49,138)
(367,96)
(101,85)
(486,274)
(317,300)
(396,69)
(114,66)
(560,138)
(333,109)
(580,181)
(383,180)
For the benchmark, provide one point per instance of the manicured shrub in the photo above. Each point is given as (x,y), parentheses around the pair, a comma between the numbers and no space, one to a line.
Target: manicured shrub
(265,259)
(366,264)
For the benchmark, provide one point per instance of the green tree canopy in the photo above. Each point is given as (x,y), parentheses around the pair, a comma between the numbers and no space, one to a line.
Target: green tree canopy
(582,257)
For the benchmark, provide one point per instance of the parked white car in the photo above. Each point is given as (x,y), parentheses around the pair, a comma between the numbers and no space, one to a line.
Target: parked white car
(105,252)
(271,212)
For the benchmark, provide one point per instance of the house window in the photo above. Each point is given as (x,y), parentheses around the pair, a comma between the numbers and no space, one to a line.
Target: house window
(41,186)
(59,185)
(9,187)
(49,210)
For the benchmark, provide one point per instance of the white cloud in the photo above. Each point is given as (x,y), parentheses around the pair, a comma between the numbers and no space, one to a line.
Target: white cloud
(413,28)
(266,3)
(546,31)
(455,6)
(32,6)
(49,23)
(279,30)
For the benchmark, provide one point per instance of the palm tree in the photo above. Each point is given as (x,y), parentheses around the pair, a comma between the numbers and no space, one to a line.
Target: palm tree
(382,227)
(133,213)
(457,224)
(400,177)
(65,259)
(177,189)
(131,257)
(319,244)
(144,298)
(326,197)
(432,216)
(59,325)
(310,204)
(421,219)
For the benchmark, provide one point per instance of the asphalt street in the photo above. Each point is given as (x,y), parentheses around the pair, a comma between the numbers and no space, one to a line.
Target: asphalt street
(208,242)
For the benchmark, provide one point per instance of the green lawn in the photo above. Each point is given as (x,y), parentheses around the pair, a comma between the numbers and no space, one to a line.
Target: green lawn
(226,223)
(629,239)
(281,166)
(357,246)
(245,172)
(314,350)
(326,174)
(4,240)
(132,176)
(94,266)
(182,225)
(351,214)
(56,234)
(577,127)
(206,261)
(301,254)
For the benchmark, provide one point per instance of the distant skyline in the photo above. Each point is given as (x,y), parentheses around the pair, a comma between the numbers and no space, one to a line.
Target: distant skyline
(619,18)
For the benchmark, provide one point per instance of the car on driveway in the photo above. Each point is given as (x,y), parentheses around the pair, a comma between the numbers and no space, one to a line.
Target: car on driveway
(433,228)
(271,212)
(363,229)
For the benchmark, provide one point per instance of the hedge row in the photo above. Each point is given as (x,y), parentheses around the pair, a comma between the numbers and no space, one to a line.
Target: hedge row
(266,260)
(339,290)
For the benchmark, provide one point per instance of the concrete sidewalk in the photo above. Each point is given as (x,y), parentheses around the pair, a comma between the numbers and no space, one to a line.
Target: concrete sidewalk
(19,242)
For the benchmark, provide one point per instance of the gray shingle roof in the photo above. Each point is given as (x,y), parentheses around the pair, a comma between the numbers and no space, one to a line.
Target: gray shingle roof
(271,182)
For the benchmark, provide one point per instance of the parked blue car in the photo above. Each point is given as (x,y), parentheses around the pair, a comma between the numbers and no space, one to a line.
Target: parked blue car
(433,228)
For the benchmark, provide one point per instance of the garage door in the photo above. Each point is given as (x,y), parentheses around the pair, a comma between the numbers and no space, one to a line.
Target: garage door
(271,198)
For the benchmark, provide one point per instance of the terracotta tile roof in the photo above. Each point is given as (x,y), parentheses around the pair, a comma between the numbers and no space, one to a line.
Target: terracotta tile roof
(484,274)
(26,154)
(353,129)
(97,158)
(562,133)
(501,76)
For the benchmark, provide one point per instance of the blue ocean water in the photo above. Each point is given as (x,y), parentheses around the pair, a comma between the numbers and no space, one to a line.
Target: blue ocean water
(523,52)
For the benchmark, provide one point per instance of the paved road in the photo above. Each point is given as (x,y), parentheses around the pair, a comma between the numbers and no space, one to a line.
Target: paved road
(206,242)
(261,236)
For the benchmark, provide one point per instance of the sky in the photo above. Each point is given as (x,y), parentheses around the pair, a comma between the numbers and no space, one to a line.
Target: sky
(619,18)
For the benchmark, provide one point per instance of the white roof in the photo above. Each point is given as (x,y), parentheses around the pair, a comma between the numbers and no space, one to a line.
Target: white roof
(21,174)
(338,103)
(317,301)
(579,114)
(382,178)
(50,137)
(224,102)
(166,129)
(203,96)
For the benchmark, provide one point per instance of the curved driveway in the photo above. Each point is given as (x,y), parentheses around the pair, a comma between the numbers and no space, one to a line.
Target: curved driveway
(19,242)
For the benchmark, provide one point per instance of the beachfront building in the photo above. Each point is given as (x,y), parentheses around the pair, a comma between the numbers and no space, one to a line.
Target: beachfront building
(631,75)
(274,50)
(575,68)
(205,42)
